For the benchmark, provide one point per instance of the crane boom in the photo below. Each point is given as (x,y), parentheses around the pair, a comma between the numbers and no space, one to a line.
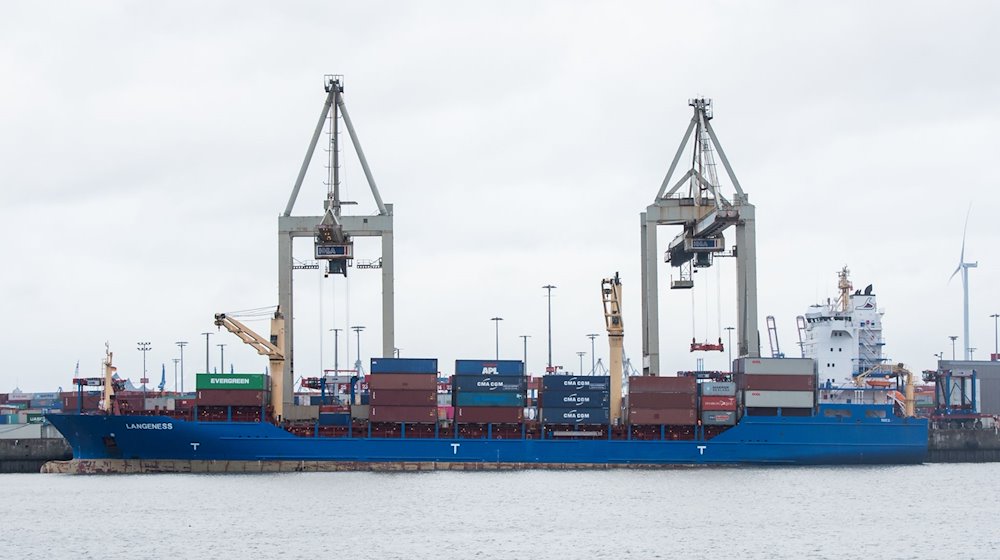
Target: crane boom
(274,349)
(611,295)
(263,346)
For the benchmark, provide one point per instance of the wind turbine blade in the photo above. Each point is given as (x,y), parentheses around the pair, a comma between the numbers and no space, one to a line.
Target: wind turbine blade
(954,273)
(965,230)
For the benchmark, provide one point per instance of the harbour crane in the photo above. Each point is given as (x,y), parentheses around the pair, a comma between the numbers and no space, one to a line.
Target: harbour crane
(611,296)
(273,348)
(704,213)
(772,338)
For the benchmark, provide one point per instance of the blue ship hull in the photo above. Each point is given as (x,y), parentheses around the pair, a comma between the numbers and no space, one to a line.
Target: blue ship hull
(814,440)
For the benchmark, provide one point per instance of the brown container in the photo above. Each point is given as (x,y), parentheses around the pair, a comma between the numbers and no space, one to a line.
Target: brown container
(489,414)
(777,382)
(718,403)
(90,402)
(652,384)
(400,397)
(662,400)
(230,397)
(671,417)
(408,381)
(384,413)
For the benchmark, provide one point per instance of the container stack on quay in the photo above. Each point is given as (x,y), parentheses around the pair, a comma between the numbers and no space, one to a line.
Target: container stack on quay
(403,390)
(575,399)
(659,401)
(489,391)
(240,397)
(28,408)
(770,386)
(718,403)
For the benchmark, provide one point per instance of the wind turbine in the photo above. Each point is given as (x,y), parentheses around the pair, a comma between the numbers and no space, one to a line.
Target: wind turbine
(964,268)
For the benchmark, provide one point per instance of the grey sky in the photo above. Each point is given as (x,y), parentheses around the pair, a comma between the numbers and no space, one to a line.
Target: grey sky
(146,150)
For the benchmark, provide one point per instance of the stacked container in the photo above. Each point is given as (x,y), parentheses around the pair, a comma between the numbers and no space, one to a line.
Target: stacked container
(718,403)
(231,389)
(575,399)
(768,384)
(668,401)
(403,390)
(489,391)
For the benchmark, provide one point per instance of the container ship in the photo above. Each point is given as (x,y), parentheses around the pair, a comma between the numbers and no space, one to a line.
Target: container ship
(490,412)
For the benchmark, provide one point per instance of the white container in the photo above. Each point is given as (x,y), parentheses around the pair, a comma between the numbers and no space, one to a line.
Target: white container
(776,366)
(778,399)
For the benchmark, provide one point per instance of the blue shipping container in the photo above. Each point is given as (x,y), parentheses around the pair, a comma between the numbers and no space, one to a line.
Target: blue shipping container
(488,383)
(489,367)
(489,399)
(572,399)
(575,416)
(718,389)
(365,397)
(404,365)
(334,419)
(576,382)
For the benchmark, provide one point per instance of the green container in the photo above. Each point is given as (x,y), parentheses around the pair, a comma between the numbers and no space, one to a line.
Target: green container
(231,381)
(35,418)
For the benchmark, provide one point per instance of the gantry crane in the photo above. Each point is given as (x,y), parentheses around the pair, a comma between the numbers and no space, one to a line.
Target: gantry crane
(611,295)
(704,213)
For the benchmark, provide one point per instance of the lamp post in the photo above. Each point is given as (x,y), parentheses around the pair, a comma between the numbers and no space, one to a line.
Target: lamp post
(593,356)
(207,334)
(181,345)
(357,330)
(953,339)
(549,288)
(222,358)
(336,350)
(143,347)
(581,354)
(524,338)
(496,322)
(729,346)
(176,361)
(996,339)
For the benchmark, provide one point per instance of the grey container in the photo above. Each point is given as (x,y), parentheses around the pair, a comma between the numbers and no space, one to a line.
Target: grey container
(360,411)
(718,418)
(776,366)
(718,389)
(779,399)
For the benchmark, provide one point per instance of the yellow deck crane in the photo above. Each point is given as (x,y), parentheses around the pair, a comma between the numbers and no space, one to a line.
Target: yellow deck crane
(611,295)
(273,349)
(908,399)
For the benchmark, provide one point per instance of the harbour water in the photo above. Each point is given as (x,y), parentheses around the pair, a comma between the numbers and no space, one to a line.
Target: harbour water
(925,511)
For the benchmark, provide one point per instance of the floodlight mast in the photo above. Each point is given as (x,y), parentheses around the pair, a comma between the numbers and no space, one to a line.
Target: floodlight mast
(332,233)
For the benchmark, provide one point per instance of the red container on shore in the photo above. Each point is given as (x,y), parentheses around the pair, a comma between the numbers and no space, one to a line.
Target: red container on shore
(662,400)
(405,381)
(718,403)
(230,397)
(671,417)
(654,384)
(382,413)
(400,397)
(777,382)
(489,414)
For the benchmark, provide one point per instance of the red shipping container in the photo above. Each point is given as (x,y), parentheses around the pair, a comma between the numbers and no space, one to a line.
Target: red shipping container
(653,384)
(671,417)
(3,398)
(230,397)
(662,400)
(489,414)
(400,397)
(409,381)
(382,413)
(777,382)
(718,403)
(185,404)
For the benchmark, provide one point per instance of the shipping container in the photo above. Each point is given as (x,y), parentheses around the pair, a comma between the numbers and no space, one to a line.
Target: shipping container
(465,398)
(44,403)
(403,381)
(3,419)
(446,412)
(161,403)
(489,367)
(670,417)
(404,365)
(662,400)
(655,384)
(489,415)
(778,382)
(719,388)
(488,383)
(576,382)
(575,415)
(778,399)
(3,398)
(776,366)
(44,396)
(718,418)
(382,413)
(334,419)
(360,411)
(710,402)
(401,397)
(231,381)
(573,399)
(231,397)
(18,397)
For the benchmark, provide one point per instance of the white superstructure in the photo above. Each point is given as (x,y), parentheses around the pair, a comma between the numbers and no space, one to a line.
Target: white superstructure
(844,336)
